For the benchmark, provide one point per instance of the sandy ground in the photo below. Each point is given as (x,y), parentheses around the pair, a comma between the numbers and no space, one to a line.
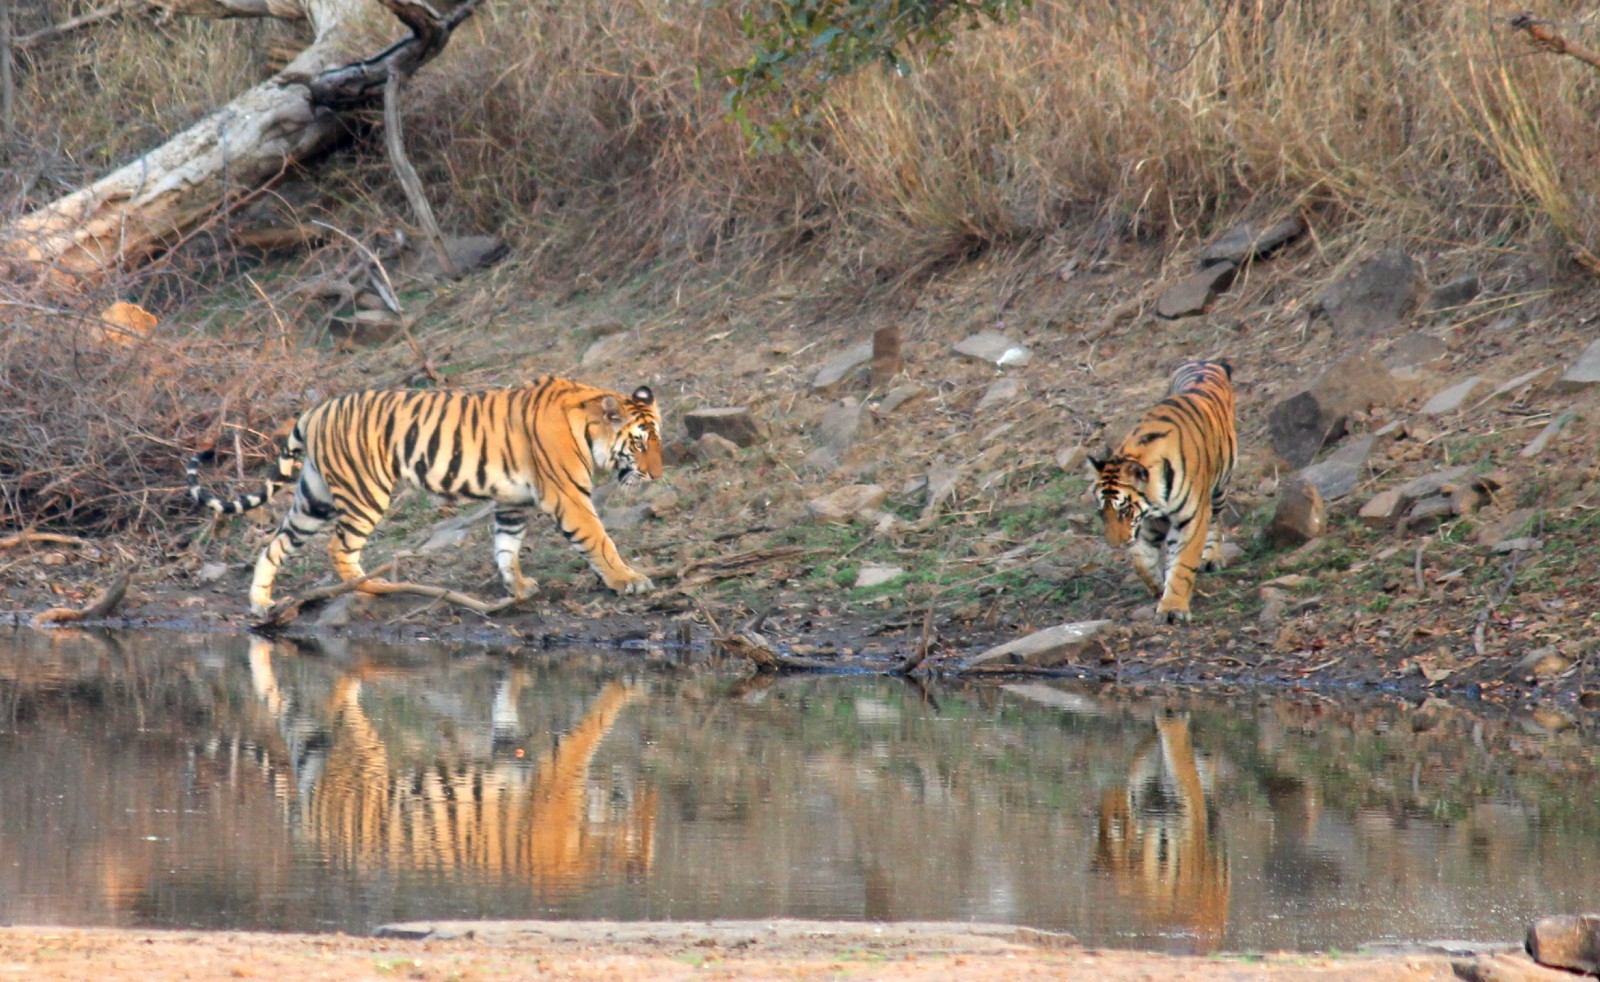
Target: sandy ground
(651,952)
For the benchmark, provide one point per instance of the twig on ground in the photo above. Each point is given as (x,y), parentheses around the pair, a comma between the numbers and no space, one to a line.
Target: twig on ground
(1480,627)
(99,605)
(53,538)
(726,567)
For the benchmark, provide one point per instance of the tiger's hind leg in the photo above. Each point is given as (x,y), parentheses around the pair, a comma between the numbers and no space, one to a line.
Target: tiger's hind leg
(1213,559)
(510,524)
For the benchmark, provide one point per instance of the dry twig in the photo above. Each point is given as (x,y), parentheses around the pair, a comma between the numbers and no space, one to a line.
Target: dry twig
(101,604)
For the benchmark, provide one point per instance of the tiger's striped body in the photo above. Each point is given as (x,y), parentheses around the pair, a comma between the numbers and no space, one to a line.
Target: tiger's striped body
(1162,488)
(535,445)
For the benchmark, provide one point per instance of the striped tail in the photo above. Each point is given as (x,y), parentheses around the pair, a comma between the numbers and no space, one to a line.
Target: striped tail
(287,466)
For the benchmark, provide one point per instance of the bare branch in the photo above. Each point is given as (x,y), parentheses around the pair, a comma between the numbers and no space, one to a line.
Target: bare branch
(1546,37)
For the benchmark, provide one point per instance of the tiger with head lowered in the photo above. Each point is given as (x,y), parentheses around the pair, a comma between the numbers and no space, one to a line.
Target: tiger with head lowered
(538,444)
(1162,488)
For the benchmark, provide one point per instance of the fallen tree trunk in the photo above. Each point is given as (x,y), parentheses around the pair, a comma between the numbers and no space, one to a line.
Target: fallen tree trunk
(150,205)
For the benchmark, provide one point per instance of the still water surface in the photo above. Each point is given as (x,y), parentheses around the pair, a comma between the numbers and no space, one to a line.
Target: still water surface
(163,780)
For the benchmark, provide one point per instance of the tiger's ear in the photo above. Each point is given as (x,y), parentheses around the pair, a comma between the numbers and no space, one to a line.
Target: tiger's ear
(644,395)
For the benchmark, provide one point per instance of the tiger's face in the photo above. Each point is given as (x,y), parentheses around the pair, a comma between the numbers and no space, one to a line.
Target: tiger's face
(627,436)
(1119,493)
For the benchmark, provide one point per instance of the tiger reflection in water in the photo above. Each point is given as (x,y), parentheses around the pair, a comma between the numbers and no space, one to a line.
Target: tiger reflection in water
(528,819)
(1158,839)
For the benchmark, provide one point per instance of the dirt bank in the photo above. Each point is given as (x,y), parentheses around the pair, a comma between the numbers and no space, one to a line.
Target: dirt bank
(597,952)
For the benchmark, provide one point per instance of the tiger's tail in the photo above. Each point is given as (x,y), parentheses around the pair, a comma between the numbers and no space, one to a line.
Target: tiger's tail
(288,467)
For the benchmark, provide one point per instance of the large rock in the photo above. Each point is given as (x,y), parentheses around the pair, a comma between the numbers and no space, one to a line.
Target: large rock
(850,502)
(841,367)
(1300,515)
(733,423)
(1301,424)
(1455,292)
(1051,646)
(1507,967)
(1339,473)
(1570,941)
(1449,400)
(1375,298)
(1584,372)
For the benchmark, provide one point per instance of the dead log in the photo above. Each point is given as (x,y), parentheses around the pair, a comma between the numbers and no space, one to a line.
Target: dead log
(151,204)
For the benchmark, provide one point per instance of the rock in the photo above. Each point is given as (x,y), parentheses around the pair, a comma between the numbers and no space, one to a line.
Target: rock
(625,517)
(1302,423)
(1071,459)
(339,611)
(1506,967)
(841,425)
(1249,241)
(871,574)
(1542,663)
(994,348)
(1415,350)
(1454,292)
(1001,392)
(886,362)
(1429,512)
(1192,294)
(1536,446)
(1339,473)
(1375,298)
(467,253)
(603,329)
(941,484)
(1468,498)
(1570,941)
(1381,510)
(899,396)
(1500,529)
(733,423)
(605,349)
(1300,516)
(1274,603)
(1051,646)
(212,572)
(850,502)
(369,327)
(841,367)
(1506,388)
(1525,543)
(1450,400)
(665,504)
(713,446)
(1584,372)
(1428,485)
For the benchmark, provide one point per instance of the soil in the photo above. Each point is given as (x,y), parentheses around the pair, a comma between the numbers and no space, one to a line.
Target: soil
(594,952)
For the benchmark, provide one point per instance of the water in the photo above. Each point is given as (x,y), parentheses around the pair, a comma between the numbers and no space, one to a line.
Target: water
(162,780)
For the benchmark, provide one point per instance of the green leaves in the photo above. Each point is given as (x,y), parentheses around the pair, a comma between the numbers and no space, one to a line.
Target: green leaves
(801,46)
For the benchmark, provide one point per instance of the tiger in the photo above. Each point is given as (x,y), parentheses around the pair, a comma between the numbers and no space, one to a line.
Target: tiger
(1163,487)
(537,444)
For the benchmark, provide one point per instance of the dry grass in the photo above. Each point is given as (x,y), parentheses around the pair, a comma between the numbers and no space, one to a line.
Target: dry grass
(592,135)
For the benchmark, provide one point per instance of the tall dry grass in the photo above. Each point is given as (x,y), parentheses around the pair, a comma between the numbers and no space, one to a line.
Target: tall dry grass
(592,134)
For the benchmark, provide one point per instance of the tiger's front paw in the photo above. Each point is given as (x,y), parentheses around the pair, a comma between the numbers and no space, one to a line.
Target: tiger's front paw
(522,587)
(1168,612)
(631,584)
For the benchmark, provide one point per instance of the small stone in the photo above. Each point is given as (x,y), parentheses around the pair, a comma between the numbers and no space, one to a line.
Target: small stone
(665,504)
(1381,509)
(1536,446)
(1071,459)
(1525,543)
(853,501)
(605,349)
(841,367)
(1429,513)
(1415,350)
(841,424)
(1429,485)
(1001,392)
(732,423)
(899,396)
(604,329)
(212,572)
(1451,399)
(339,611)
(1051,646)
(1301,424)
(1192,294)
(1454,292)
(1584,372)
(1499,530)
(1570,941)
(625,517)
(1468,498)
(1339,473)
(872,574)
(713,446)
(994,348)
(1301,514)
(1248,241)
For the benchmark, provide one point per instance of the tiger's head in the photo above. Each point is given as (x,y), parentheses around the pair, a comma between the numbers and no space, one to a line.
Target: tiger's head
(626,433)
(1119,493)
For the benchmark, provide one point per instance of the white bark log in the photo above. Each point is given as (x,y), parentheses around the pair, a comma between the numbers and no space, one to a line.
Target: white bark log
(146,207)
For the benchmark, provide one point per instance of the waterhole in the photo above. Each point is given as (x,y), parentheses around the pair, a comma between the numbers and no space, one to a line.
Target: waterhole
(166,780)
